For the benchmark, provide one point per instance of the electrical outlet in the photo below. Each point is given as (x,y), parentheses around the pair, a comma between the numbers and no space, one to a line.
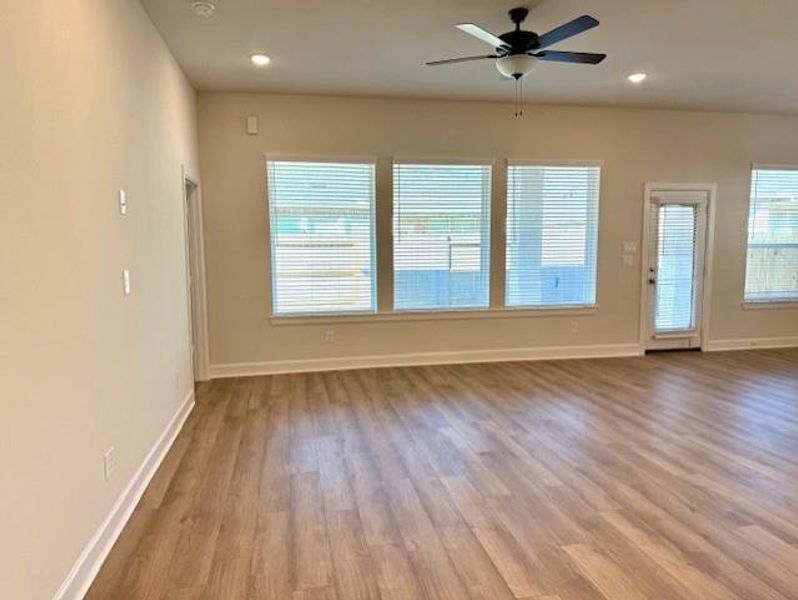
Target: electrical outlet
(122,202)
(126,282)
(109,463)
(329,336)
(628,260)
(574,327)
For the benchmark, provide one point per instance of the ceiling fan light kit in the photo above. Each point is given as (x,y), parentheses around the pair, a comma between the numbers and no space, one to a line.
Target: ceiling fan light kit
(517,52)
(516,66)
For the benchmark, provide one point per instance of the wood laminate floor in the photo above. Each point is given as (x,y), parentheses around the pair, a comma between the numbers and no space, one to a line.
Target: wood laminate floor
(666,477)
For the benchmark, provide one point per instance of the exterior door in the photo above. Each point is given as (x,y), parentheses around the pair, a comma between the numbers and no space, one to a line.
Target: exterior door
(677,223)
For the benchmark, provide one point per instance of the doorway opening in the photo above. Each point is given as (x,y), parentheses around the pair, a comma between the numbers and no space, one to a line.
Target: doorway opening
(195,279)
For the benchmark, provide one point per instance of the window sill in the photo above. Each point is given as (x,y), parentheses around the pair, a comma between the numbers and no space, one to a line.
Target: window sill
(768,304)
(448,315)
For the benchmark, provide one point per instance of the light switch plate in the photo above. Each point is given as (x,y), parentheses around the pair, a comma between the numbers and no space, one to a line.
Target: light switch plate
(628,260)
(122,202)
(126,282)
(629,247)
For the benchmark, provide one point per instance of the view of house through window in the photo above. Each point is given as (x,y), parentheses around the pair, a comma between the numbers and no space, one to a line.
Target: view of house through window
(441,236)
(322,237)
(552,231)
(772,265)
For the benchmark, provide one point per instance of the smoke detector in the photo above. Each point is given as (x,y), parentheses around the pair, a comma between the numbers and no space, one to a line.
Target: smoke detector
(203,8)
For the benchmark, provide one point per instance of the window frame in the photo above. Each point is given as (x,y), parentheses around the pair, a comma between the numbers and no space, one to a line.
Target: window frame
(324,315)
(783,302)
(383,186)
(526,162)
(486,231)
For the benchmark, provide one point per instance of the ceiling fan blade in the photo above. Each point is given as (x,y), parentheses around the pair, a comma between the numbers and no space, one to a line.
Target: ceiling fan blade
(485,36)
(447,61)
(570,29)
(585,58)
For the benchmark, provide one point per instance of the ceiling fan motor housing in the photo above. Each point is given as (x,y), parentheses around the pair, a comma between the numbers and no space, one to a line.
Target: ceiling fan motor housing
(519,41)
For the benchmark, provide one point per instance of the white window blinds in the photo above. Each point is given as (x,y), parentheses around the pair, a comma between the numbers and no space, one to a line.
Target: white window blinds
(674,236)
(552,230)
(321,217)
(441,235)
(772,269)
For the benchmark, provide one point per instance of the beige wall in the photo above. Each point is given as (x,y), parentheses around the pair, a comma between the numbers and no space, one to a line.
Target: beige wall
(90,101)
(636,146)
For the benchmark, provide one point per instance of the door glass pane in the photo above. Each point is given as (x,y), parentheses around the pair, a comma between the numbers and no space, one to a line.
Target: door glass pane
(676,248)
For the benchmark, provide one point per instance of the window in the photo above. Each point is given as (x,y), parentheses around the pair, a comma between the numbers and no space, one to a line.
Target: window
(772,266)
(552,230)
(321,217)
(441,236)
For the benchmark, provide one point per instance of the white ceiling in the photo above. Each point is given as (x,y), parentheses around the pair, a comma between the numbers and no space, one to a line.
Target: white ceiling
(700,54)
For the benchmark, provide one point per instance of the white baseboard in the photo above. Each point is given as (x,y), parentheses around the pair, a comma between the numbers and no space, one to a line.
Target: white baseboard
(750,343)
(423,358)
(94,554)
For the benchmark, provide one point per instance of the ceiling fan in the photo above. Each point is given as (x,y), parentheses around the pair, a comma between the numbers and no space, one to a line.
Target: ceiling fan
(518,51)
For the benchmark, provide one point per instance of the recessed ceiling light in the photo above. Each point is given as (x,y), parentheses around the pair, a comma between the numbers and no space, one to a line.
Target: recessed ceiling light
(260,59)
(637,77)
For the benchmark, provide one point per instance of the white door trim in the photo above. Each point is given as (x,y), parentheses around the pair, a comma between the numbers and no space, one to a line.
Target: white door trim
(651,189)
(199,315)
